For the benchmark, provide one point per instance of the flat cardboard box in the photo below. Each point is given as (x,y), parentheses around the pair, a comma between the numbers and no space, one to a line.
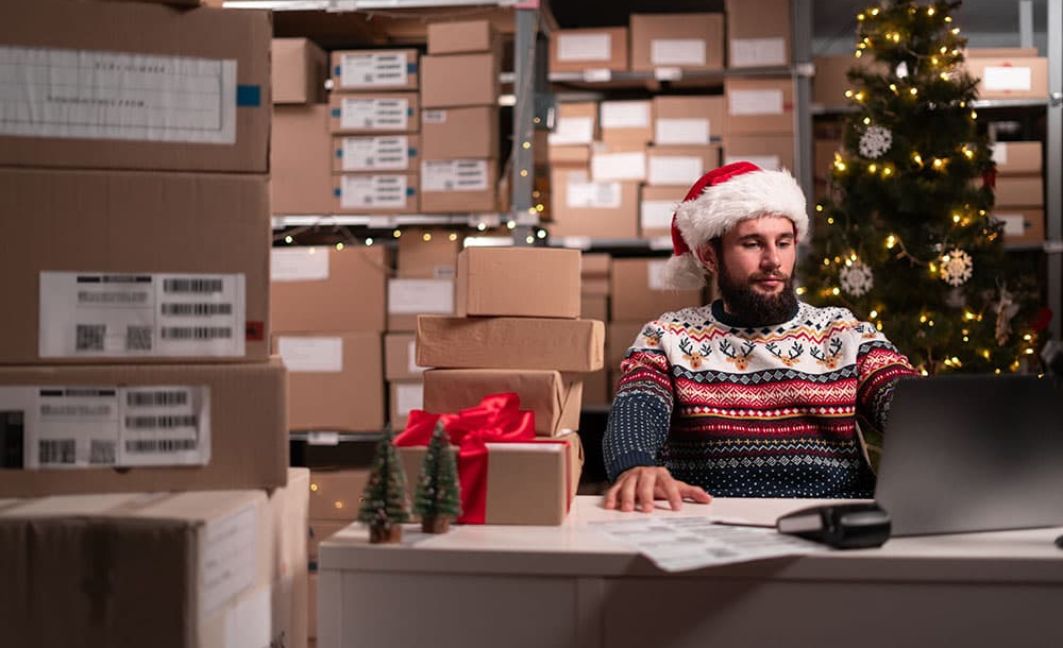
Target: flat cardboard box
(576,157)
(455,133)
(137,228)
(375,193)
(679,166)
(759,106)
(619,162)
(400,357)
(1017,157)
(758,33)
(594,307)
(374,114)
(1019,191)
(335,495)
(689,41)
(681,120)
(374,70)
(299,71)
(335,380)
(592,48)
(374,153)
(318,532)
(455,80)
(427,254)
(1021,226)
(325,290)
(405,395)
(1009,77)
(518,282)
(619,337)
(461,37)
(656,207)
(410,298)
(176,129)
(582,208)
(626,122)
(596,389)
(577,123)
(772,152)
(238,412)
(640,294)
(301,180)
(464,185)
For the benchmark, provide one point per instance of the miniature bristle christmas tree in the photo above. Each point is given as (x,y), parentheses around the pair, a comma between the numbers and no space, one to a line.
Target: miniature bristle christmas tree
(438,497)
(384,500)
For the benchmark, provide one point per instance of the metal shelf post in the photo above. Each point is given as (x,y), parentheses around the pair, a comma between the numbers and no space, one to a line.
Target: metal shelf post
(802,63)
(1054,166)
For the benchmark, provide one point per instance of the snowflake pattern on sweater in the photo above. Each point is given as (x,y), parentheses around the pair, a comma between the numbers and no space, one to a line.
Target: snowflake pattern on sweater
(754,412)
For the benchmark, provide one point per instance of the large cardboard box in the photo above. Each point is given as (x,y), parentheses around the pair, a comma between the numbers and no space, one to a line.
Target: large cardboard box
(459,186)
(400,357)
(758,33)
(656,208)
(759,106)
(623,162)
(119,266)
(772,152)
(374,70)
(626,122)
(518,282)
(369,153)
(460,37)
(454,80)
(196,570)
(1018,77)
(335,381)
(168,90)
(1019,191)
(325,290)
(424,254)
(299,71)
(682,120)
(375,193)
(362,114)
(640,294)
(456,133)
(509,343)
(410,298)
(831,79)
(575,158)
(583,208)
(1017,157)
(405,395)
(679,166)
(592,48)
(1021,226)
(596,389)
(143,428)
(618,339)
(577,123)
(689,41)
(301,178)
(594,307)
(594,277)
(335,495)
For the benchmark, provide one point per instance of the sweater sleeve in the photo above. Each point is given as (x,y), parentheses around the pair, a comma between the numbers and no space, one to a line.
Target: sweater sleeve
(879,365)
(640,417)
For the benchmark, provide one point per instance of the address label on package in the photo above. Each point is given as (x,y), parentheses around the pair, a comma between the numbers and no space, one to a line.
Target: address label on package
(374,114)
(377,70)
(390,153)
(49,92)
(93,315)
(99,426)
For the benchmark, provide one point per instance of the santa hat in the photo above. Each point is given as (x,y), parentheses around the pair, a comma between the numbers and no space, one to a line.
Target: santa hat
(718,201)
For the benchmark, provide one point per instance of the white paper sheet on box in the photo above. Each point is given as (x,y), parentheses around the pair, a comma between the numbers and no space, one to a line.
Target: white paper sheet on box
(299,264)
(408,397)
(306,354)
(386,153)
(1014,224)
(1007,78)
(420,296)
(625,114)
(379,70)
(369,191)
(1000,153)
(681,131)
(374,114)
(655,277)
(584,47)
(677,51)
(674,169)
(454,175)
(755,102)
(596,195)
(411,359)
(656,214)
(758,52)
(618,166)
(572,130)
(766,162)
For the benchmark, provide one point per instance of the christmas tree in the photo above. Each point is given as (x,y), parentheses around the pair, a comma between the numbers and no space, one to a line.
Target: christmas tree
(384,499)
(905,238)
(438,497)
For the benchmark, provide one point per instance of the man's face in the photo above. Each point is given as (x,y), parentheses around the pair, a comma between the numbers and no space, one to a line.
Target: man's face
(754,266)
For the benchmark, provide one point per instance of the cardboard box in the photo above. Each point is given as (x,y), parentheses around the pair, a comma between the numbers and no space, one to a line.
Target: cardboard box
(595,48)
(594,307)
(373,114)
(144,428)
(459,186)
(335,495)
(230,556)
(596,389)
(594,277)
(584,208)
(509,343)
(618,339)
(823,157)
(1009,77)
(410,298)
(335,381)
(299,71)
(1021,226)
(773,152)
(758,34)
(209,72)
(460,37)
(577,123)
(424,254)
(518,282)
(374,70)
(375,193)
(405,396)
(682,120)
(679,166)
(455,80)
(759,106)
(1019,191)
(400,357)
(1017,157)
(656,207)
(319,531)
(369,153)
(626,122)
(576,157)
(301,181)
(325,290)
(455,133)
(640,294)
(689,41)
(624,162)
(89,241)
(595,264)
(831,78)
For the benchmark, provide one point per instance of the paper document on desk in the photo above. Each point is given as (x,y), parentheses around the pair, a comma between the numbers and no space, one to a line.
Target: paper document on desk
(685,543)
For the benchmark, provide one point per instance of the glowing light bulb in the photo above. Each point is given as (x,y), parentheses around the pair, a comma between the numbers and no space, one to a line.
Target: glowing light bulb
(955,218)
(873,314)
(427,237)
(339,246)
(848,94)
(453,236)
(369,241)
(891,241)
(867,120)
(397,233)
(913,91)
(289,240)
(872,168)
(930,11)
(834,291)
(874,11)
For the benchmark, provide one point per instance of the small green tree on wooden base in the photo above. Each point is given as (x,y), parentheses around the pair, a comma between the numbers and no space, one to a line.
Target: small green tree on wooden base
(438,497)
(384,500)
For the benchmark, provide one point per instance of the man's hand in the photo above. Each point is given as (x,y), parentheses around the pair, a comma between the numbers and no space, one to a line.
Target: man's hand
(642,485)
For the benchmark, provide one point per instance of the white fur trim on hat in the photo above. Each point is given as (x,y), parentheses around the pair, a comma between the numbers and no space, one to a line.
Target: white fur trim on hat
(683,272)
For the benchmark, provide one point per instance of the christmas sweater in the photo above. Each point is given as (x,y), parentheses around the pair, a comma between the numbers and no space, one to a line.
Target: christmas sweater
(754,411)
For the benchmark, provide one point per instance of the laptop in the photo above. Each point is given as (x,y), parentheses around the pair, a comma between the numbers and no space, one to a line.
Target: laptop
(972,453)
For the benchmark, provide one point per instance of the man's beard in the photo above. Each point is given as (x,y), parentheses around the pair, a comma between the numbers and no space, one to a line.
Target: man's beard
(752,307)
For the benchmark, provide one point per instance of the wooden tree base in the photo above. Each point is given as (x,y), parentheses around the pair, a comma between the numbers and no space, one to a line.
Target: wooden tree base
(435,525)
(391,534)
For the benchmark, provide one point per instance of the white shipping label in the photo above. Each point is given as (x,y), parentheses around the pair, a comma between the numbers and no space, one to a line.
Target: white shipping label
(625,114)
(755,102)
(386,153)
(584,47)
(371,191)
(594,195)
(677,51)
(618,166)
(411,358)
(766,162)
(1007,78)
(376,70)
(95,315)
(681,131)
(420,297)
(1000,153)
(227,559)
(374,114)
(104,426)
(408,397)
(1014,224)
(572,130)
(299,264)
(675,169)
(656,214)
(47,92)
(434,116)
(754,52)
(303,354)
(454,175)
(655,276)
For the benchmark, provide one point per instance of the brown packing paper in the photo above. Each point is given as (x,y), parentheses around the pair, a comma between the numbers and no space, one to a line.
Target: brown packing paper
(518,282)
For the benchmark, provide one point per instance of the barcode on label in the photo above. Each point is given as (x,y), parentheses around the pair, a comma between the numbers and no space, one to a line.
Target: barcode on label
(196,332)
(138,338)
(197,309)
(156,399)
(192,285)
(161,422)
(102,452)
(160,445)
(115,298)
(55,451)
(89,337)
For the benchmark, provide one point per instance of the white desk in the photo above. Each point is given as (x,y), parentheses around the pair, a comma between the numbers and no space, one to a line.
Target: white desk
(569,586)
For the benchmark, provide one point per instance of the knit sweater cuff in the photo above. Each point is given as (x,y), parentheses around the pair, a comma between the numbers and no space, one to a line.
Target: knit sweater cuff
(627,461)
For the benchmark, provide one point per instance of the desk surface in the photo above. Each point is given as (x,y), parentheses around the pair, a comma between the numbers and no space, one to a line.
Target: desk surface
(576,549)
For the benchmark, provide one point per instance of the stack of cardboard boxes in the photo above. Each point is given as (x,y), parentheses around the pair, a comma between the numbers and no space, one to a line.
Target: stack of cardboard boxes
(1020,192)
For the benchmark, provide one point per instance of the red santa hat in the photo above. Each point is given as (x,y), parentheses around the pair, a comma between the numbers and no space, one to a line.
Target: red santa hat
(721,199)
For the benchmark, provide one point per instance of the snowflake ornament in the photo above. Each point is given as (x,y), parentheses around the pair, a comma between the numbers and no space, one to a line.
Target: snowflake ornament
(875,141)
(956,267)
(856,279)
